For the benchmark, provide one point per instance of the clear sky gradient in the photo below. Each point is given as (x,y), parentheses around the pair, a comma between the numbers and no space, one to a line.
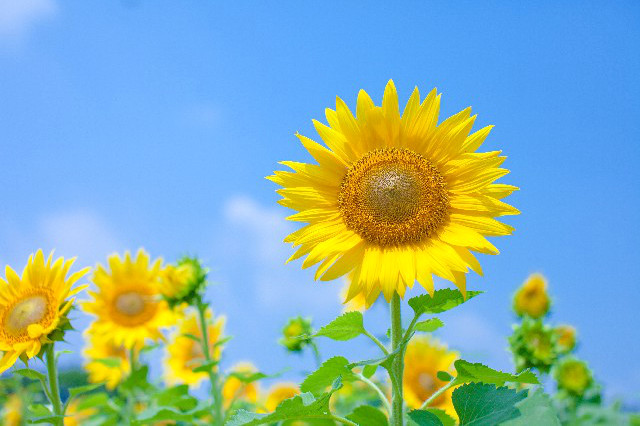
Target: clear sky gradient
(153,123)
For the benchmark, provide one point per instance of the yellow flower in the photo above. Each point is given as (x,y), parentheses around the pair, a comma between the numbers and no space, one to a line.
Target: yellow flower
(426,356)
(128,303)
(566,336)
(181,280)
(99,347)
(395,198)
(295,334)
(234,389)
(278,393)
(183,354)
(12,411)
(532,299)
(573,376)
(76,415)
(34,305)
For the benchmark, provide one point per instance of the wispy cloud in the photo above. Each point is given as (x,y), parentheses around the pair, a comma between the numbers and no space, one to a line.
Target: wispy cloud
(18,17)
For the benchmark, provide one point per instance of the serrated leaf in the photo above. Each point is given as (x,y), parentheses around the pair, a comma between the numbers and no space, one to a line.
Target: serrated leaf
(429,326)
(31,374)
(442,301)
(79,390)
(299,407)
(479,404)
(330,370)
(346,327)
(477,372)
(365,415)
(431,417)
(536,409)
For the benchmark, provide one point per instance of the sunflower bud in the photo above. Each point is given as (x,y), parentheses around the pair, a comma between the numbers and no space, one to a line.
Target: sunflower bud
(296,334)
(573,376)
(566,338)
(183,281)
(532,298)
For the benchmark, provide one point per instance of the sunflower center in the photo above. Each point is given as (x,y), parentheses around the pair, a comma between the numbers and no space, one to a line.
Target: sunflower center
(130,303)
(393,196)
(24,313)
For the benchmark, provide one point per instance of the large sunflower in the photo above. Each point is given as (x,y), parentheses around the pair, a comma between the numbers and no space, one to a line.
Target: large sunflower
(98,350)
(34,305)
(184,354)
(395,199)
(128,304)
(426,356)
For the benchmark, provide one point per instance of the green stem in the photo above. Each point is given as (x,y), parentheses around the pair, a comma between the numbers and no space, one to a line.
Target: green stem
(379,391)
(316,354)
(439,392)
(397,366)
(213,377)
(54,387)
(377,342)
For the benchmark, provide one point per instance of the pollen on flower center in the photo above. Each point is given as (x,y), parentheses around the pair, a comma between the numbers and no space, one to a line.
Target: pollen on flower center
(130,303)
(24,313)
(393,196)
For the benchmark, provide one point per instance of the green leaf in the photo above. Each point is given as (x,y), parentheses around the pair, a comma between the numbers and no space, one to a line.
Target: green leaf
(178,397)
(31,374)
(247,378)
(192,337)
(330,370)
(46,419)
(444,376)
(429,326)
(468,372)
(39,410)
(431,417)
(110,362)
(369,370)
(442,300)
(79,390)
(206,367)
(346,327)
(536,409)
(300,406)
(480,404)
(365,415)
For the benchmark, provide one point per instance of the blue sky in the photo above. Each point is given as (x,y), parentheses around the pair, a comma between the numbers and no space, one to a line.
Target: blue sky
(138,123)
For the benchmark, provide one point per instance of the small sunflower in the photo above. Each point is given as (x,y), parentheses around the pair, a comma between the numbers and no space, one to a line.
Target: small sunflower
(128,304)
(183,354)
(532,298)
(296,334)
(426,356)
(278,393)
(183,280)
(395,199)
(235,389)
(105,361)
(34,305)
(566,337)
(573,376)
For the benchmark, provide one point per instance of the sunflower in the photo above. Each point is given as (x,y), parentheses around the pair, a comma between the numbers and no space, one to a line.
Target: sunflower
(566,337)
(358,303)
(532,298)
(573,376)
(278,393)
(34,305)
(128,304)
(395,199)
(235,389)
(426,356)
(104,360)
(183,354)
(13,411)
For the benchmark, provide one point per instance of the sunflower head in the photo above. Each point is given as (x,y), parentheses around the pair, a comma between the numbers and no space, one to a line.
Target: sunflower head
(278,393)
(424,358)
(33,307)
(393,199)
(534,345)
(183,281)
(236,389)
(566,336)
(128,304)
(532,298)
(183,354)
(104,360)
(573,376)
(296,334)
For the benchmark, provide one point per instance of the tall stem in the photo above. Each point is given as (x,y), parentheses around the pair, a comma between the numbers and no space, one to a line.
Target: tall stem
(213,377)
(397,366)
(54,387)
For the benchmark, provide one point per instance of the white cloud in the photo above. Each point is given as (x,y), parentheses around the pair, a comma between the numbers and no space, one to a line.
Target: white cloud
(17,17)
(79,233)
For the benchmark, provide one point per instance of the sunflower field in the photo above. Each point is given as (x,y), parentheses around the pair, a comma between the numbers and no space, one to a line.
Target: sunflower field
(391,195)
